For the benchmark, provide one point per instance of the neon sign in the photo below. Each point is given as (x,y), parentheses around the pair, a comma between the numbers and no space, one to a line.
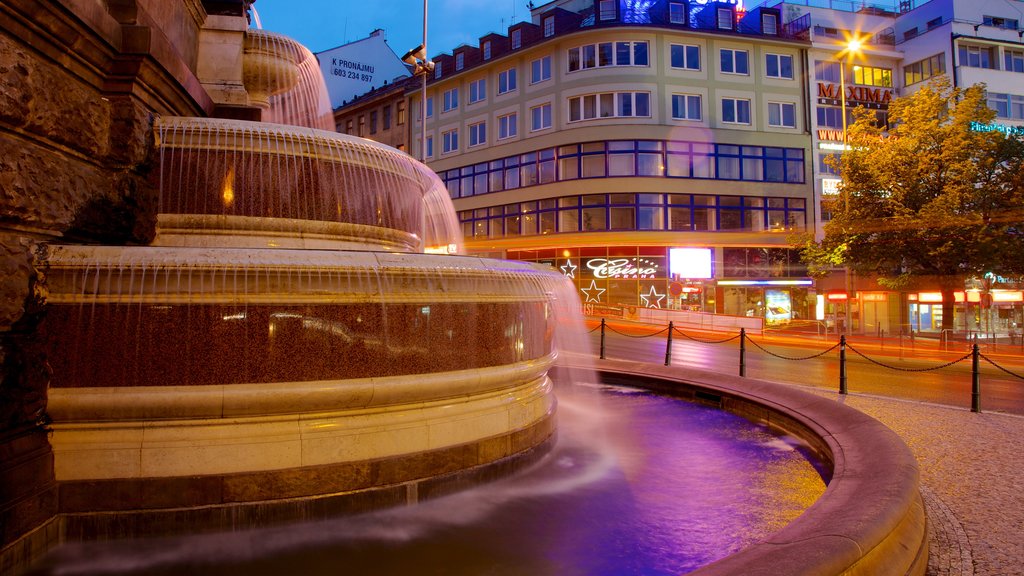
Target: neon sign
(622,268)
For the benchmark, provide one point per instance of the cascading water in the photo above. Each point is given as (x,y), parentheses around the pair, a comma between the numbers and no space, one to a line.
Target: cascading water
(284,347)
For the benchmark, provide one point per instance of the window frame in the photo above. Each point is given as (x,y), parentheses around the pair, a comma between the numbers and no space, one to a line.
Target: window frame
(542,67)
(508,124)
(477,134)
(477,91)
(734,62)
(450,141)
(508,79)
(685,58)
(686,99)
(451,100)
(545,113)
(736,110)
(779,59)
(782,106)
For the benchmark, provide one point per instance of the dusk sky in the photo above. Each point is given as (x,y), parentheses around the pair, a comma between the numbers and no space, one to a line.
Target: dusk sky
(324,24)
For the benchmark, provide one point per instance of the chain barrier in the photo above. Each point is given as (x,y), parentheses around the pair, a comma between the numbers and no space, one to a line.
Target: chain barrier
(662,331)
(901,369)
(594,329)
(685,335)
(812,356)
(992,362)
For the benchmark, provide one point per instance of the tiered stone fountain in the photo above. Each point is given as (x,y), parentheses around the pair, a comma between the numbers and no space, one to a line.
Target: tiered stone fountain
(269,339)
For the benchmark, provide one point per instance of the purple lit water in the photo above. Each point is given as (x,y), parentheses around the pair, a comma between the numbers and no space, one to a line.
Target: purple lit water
(637,484)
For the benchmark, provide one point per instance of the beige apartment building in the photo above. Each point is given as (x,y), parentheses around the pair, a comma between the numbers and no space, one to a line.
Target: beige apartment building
(660,156)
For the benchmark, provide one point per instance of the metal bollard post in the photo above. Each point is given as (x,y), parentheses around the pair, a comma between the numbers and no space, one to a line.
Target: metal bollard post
(743,352)
(842,364)
(602,338)
(975,380)
(668,345)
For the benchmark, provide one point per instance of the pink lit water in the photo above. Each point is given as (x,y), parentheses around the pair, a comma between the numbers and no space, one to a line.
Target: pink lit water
(637,484)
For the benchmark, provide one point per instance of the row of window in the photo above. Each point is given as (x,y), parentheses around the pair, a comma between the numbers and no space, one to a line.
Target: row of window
(619,105)
(621,158)
(683,56)
(359,126)
(828,71)
(649,212)
(987,57)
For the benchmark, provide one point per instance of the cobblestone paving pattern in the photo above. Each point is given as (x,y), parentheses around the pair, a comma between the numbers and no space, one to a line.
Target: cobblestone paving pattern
(972,474)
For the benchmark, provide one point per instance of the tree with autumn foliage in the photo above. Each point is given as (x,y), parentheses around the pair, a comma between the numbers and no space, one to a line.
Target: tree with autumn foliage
(932,199)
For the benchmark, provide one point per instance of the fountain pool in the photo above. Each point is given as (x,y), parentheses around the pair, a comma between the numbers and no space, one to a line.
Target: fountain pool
(637,484)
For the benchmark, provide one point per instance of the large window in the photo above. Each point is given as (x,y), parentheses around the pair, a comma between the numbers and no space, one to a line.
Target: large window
(924,69)
(1013,61)
(477,90)
(826,71)
(507,81)
(478,134)
(871,76)
(549,26)
(734,61)
(1008,106)
(460,60)
(685,56)
(609,105)
(449,141)
(430,146)
(686,106)
(487,50)
(540,117)
(782,114)
(779,66)
(654,212)
(517,39)
(977,56)
(735,110)
(608,54)
(631,158)
(508,125)
(451,100)
(540,70)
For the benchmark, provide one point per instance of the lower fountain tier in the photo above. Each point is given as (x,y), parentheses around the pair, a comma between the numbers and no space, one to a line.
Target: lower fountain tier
(193,377)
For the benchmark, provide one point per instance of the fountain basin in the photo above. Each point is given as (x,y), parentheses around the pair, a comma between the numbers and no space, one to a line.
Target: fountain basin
(870,519)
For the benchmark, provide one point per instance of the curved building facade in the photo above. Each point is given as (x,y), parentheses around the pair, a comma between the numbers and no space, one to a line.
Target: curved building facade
(658,153)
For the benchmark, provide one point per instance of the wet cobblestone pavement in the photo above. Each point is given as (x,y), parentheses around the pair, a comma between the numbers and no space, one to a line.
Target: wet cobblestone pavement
(971,474)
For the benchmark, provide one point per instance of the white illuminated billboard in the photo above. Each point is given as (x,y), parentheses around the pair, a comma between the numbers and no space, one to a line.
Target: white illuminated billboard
(690,262)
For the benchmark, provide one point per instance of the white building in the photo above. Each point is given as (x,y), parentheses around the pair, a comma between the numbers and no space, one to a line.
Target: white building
(357,67)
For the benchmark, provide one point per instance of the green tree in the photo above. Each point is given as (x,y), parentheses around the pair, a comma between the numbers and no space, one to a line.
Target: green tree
(931,197)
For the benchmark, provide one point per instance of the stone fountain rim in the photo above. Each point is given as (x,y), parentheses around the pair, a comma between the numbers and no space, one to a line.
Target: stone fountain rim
(865,522)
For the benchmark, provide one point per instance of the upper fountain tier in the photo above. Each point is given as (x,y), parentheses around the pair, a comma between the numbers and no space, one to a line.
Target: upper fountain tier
(232,183)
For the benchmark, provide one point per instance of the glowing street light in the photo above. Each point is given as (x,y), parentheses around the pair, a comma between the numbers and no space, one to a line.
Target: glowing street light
(853,46)
(417,58)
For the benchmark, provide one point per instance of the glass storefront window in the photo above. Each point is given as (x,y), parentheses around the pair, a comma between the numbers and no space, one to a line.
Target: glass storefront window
(595,219)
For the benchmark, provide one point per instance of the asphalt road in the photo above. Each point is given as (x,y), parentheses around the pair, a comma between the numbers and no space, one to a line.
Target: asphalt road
(917,376)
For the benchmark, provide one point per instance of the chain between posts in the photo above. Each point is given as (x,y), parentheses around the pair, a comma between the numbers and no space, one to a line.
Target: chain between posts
(975,355)
(663,330)
(939,367)
(992,362)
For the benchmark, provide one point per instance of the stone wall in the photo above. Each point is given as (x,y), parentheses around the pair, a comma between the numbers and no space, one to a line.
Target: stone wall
(80,83)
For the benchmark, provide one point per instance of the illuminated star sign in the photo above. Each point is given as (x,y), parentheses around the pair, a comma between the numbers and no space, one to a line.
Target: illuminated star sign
(593,288)
(652,299)
(569,269)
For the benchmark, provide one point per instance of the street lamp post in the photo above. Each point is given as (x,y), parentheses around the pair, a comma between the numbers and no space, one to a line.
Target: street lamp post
(847,54)
(421,66)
